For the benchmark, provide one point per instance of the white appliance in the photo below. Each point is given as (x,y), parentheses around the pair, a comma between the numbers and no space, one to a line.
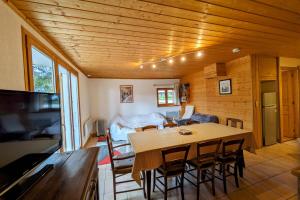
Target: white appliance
(270,118)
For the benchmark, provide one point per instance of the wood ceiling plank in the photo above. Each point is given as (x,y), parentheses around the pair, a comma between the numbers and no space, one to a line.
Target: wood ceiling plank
(106,31)
(276,9)
(162,29)
(164,14)
(213,13)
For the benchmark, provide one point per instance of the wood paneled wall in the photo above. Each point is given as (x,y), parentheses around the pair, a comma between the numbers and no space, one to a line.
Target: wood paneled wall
(206,98)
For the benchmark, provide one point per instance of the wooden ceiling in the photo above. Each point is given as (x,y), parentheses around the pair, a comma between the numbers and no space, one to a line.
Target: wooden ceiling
(111,38)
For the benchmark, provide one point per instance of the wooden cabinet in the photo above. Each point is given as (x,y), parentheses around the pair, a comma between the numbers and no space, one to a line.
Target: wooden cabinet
(75,176)
(214,70)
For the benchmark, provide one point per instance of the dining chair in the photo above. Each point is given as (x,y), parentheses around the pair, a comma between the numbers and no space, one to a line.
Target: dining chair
(170,125)
(174,167)
(122,165)
(237,123)
(149,127)
(230,155)
(204,163)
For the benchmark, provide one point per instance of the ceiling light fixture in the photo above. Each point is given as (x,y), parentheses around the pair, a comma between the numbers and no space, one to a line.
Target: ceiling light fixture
(199,54)
(183,58)
(154,66)
(141,66)
(89,75)
(171,61)
(236,50)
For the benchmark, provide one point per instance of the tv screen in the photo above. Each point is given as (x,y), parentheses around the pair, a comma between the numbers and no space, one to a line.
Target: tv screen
(30,131)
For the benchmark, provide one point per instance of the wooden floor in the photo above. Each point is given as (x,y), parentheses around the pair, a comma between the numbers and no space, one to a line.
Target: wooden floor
(267,176)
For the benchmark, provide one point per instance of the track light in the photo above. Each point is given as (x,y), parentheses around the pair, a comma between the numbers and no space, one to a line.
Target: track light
(183,58)
(199,54)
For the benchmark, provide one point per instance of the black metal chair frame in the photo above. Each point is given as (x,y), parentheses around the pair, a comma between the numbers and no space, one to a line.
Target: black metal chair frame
(227,158)
(166,169)
(127,170)
(208,158)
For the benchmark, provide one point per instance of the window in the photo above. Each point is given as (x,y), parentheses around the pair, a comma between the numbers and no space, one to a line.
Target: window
(45,72)
(165,97)
(42,71)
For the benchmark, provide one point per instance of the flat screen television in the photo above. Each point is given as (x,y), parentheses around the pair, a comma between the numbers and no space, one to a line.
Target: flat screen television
(30,131)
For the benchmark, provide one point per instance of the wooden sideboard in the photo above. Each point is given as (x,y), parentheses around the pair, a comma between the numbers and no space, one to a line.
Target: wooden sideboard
(74,176)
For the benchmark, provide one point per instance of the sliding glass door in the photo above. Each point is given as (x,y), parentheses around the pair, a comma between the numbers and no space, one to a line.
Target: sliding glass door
(70,109)
(46,72)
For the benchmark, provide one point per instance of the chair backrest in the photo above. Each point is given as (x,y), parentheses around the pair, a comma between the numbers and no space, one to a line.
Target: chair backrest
(170,125)
(188,112)
(232,147)
(178,157)
(109,146)
(208,151)
(149,127)
(234,123)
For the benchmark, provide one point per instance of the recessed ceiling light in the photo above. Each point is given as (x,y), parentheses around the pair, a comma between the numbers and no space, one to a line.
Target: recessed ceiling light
(154,66)
(183,58)
(236,50)
(89,75)
(171,61)
(141,66)
(199,54)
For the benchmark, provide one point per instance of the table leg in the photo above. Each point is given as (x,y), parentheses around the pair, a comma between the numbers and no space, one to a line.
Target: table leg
(148,185)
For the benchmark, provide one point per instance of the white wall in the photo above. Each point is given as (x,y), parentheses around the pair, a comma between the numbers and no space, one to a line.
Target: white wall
(11,57)
(105,97)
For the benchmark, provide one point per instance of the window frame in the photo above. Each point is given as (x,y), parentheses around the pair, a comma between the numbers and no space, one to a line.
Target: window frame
(166,104)
(29,41)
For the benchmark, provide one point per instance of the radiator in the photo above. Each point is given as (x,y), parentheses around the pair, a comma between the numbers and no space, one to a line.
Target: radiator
(100,127)
(88,127)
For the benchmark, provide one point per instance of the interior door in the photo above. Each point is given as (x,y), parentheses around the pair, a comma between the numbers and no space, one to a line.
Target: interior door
(288,106)
(70,109)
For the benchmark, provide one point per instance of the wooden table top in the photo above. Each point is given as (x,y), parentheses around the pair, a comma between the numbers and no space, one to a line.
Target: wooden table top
(169,137)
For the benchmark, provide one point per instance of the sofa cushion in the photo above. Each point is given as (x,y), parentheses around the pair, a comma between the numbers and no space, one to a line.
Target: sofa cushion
(204,118)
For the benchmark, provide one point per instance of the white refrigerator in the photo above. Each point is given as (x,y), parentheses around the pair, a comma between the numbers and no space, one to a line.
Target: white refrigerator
(270,118)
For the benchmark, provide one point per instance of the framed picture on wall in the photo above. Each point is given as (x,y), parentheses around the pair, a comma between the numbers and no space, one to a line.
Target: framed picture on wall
(126,93)
(225,87)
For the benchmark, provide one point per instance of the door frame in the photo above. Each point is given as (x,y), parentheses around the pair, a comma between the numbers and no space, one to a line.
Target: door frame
(297,104)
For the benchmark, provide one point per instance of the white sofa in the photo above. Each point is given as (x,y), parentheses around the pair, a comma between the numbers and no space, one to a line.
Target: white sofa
(121,125)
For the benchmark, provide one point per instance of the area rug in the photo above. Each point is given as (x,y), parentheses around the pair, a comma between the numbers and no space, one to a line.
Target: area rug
(106,159)
(103,156)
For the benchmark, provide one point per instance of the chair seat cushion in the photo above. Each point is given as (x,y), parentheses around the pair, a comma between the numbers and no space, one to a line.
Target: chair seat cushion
(174,168)
(226,159)
(123,166)
(203,164)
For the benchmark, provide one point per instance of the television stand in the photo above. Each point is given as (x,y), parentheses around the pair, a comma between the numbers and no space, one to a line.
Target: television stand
(20,188)
(74,175)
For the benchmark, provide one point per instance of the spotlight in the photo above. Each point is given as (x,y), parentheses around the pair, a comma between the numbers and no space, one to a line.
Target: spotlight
(199,54)
(171,61)
(182,58)
(153,66)
(141,66)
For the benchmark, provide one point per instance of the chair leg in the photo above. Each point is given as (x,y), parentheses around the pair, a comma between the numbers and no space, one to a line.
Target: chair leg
(236,174)
(224,178)
(166,188)
(181,186)
(154,180)
(114,186)
(144,184)
(198,184)
(213,180)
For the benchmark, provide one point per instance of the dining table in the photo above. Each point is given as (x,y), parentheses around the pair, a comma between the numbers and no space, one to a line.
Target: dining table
(147,145)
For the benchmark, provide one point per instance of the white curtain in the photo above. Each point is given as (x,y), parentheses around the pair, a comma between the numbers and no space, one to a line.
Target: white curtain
(176,99)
